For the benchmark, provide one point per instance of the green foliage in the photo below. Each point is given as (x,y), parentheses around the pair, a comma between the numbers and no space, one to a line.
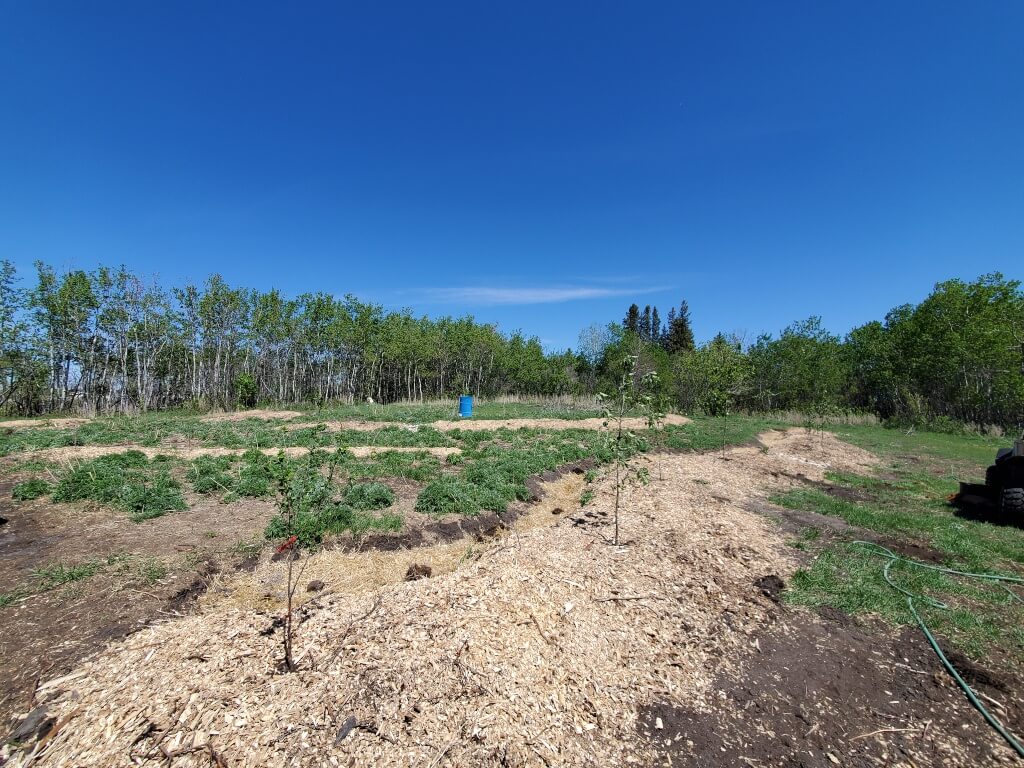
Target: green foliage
(252,475)
(211,474)
(958,354)
(310,501)
(804,369)
(713,378)
(364,496)
(246,390)
(450,495)
(125,480)
(30,489)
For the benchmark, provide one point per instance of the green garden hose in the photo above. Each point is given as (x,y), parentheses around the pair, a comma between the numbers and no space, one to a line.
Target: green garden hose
(892,557)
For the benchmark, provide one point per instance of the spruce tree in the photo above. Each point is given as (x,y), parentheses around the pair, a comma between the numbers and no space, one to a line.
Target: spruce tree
(679,337)
(645,323)
(632,319)
(655,325)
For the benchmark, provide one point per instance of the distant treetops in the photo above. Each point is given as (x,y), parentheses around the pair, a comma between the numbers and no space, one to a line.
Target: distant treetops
(676,335)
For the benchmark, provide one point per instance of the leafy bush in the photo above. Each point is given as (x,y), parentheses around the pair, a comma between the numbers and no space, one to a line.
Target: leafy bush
(369,496)
(245,390)
(31,489)
(255,475)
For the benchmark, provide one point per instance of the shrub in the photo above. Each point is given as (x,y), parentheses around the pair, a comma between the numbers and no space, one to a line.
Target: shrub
(257,473)
(245,390)
(254,478)
(31,489)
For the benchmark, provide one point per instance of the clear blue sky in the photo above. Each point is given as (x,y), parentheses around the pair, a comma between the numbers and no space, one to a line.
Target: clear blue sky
(536,164)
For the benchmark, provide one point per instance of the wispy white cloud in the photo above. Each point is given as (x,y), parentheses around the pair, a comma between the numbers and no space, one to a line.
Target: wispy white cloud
(479,294)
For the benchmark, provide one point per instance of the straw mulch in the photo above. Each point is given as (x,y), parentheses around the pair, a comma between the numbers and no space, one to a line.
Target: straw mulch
(62,423)
(538,652)
(480,425)
(68,453)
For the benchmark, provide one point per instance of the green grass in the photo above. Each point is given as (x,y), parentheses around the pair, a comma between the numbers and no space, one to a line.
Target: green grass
(58,574)
(908,503)
(146,571)
(482,411)
(708,433)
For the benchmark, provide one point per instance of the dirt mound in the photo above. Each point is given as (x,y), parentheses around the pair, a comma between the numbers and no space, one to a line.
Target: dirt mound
(480,425)
(256,413)
(80,452)
(64,423)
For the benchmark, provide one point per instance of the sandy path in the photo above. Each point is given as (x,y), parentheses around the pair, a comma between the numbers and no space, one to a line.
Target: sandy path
(479,425)
(540,650)
(78,452)
(63,423)
(369,426)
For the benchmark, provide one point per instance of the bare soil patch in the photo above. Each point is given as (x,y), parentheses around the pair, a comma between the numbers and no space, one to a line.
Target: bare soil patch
(47,634)
(830,691)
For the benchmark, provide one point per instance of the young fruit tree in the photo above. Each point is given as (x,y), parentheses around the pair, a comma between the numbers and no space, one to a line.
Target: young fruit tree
(620,443)
(290,493)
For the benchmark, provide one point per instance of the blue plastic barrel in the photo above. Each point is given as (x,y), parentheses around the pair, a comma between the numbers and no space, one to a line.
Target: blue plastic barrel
(466,406)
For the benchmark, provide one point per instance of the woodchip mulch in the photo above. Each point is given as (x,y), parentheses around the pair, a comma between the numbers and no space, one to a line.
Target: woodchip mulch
(538,651)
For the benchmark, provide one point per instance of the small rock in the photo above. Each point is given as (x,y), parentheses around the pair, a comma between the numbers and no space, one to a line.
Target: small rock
(315,585)
(658,724)
(346,728)
(557,511)
(33,727)
(417,571)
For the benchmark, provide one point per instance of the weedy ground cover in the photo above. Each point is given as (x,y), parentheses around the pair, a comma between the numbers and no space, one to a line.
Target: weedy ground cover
(142,487)
(909,503)
(141,570)
(319,507)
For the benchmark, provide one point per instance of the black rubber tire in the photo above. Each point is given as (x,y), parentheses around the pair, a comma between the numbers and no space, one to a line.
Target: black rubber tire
(1011,503)
(992,477)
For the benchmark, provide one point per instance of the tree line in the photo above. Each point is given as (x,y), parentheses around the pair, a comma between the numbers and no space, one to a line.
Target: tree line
(110,341)
(955,358)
